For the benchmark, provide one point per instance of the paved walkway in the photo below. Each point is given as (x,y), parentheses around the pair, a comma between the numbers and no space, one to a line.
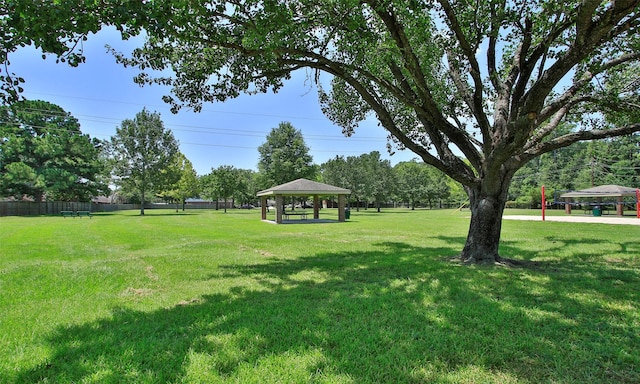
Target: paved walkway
(579,219)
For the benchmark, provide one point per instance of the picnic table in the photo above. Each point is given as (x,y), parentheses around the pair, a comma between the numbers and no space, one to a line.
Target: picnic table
(77,213)
(302,215)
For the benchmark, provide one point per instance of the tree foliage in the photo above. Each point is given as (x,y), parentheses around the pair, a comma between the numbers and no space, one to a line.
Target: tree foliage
(142,151)
(223,182)
(489,80)
(248,186)
(418,182)
(43,153)
(368,176)
(381,181)
(285,156)
(58,27)
(615,161)
(187,184)
(584,165)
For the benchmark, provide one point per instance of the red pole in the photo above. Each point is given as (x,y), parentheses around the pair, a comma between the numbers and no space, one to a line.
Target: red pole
(544,203)
(638,202)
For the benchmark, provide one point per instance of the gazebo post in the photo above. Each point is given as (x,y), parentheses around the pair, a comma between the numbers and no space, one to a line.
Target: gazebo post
(620,206)
(567,206)
(263,204)
(279,204)
(342,199)
(316,207)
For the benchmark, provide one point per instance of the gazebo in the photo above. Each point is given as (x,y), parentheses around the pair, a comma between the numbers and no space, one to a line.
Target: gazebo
(603,191)
(303,187)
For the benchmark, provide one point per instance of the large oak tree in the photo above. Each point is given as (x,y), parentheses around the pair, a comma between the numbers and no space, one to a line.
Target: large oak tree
(474,88)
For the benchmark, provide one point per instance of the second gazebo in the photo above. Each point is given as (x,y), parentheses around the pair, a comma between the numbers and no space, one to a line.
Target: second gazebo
(303,187)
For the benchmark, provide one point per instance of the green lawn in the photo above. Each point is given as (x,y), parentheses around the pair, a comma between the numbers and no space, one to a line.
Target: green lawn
(208,297)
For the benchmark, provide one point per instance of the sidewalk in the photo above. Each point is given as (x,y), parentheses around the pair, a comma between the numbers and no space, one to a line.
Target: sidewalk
(579,219)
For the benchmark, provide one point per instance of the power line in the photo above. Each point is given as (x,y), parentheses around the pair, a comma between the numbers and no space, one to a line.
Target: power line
(208,130)
(212,145)
(255,148)
(203,110)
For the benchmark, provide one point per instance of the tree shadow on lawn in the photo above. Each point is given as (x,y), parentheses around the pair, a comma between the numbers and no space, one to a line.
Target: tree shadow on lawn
(397,314)
(582,260)
(147,213)
(154,214)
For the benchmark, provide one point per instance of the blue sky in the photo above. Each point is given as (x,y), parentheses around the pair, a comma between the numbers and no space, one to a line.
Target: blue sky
(101,94)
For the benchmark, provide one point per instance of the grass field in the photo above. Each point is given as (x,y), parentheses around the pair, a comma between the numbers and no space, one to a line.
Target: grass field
(208,297)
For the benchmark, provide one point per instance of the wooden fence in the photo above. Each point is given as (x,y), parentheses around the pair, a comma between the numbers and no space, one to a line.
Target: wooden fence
(27,208)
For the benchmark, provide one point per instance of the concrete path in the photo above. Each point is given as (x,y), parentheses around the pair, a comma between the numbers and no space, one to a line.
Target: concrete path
(629,220)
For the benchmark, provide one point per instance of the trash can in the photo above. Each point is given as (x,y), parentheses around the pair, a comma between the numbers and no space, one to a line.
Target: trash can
(347,214)
(597,211)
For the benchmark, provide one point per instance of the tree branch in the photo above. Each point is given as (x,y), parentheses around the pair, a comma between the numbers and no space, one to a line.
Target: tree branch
(469,53)
(572,91)
(494,76)
(589,33)
(570,138)
(448,162)
(428,107)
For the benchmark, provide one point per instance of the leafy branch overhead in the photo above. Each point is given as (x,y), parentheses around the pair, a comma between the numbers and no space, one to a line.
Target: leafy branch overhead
(508,72)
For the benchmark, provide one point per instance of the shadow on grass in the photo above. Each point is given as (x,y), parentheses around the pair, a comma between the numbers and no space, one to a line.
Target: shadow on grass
(397,314)
(151,213)
(132,213)
(389,212)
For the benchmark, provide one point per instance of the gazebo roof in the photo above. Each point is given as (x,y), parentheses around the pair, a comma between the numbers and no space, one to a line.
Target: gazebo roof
(302,187)
(603,191)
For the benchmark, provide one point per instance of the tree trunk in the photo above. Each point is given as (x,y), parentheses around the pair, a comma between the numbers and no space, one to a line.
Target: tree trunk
(38,196)
(141,202)
(486,223)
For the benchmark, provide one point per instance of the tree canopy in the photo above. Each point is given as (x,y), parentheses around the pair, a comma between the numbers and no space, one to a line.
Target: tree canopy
(59,27)
(142,152)
(417,182)
(224,182)
(475,89)
(43,153)
(285,156)
(186,185)
(368,176)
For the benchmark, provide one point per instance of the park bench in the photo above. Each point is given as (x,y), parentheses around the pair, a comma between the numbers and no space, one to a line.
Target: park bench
(84,213)
(302,215)
(74,214)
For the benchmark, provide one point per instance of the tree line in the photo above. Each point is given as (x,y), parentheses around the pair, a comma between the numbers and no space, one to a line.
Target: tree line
(44,155)
(580,166)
